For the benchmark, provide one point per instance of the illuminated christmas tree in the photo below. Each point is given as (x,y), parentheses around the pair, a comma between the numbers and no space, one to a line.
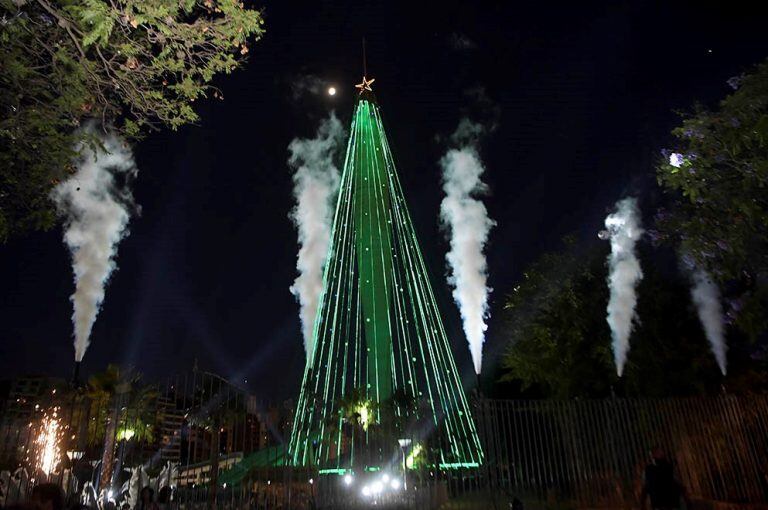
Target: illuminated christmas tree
(381,354)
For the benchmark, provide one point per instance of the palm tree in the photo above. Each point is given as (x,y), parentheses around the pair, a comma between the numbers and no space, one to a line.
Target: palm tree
(373,427)
(121,406)
(357,409)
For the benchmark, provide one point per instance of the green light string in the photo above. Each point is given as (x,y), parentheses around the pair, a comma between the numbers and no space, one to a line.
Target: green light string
(378,328)
(454,387)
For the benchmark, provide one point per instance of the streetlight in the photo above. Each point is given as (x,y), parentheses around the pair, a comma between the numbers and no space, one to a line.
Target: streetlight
(126,434)
(404,444)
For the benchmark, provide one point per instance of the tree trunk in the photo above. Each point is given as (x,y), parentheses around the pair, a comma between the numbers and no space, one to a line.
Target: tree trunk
(110,439)
(108,456)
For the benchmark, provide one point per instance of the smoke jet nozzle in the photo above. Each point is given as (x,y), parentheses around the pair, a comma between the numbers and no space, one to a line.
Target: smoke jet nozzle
(76,374)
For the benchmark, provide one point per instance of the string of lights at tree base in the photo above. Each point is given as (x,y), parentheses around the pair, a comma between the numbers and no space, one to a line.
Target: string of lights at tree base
(382,368)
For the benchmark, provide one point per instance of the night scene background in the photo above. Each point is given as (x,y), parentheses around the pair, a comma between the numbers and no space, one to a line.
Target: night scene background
(583,96)
(586,183)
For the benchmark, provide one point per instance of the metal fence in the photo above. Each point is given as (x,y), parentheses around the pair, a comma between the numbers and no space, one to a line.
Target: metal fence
(593,452)
(198,431)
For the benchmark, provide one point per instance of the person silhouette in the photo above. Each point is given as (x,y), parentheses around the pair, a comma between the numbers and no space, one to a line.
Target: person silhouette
(660,484)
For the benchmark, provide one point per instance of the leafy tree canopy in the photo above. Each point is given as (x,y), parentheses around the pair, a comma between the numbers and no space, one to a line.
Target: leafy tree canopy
(717,173)
(134,400)
(560,343)
(130,64)
(558,340)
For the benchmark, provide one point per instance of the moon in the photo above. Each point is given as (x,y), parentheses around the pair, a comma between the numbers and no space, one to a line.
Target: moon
(331,91)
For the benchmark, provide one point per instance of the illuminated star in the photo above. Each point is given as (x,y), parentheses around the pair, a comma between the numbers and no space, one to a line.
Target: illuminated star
(365,85)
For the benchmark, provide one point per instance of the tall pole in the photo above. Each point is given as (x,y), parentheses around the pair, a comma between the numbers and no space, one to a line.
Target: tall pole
(76,375)
(405,479)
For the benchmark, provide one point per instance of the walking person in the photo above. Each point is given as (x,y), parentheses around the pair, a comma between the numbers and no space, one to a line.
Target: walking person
(147,499)
(660,484)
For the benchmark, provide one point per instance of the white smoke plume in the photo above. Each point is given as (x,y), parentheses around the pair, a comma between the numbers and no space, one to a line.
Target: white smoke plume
(302,85)
(706,297)
(466,221)
(96,204)
(315,182)
(625,273)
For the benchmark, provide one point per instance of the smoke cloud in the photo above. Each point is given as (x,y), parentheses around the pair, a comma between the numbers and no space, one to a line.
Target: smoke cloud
(315,182)
(308,84)
(706,297)
(467,224)
(96,204)
(625,273)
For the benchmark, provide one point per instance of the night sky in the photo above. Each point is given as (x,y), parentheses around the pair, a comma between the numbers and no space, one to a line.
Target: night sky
(585,94)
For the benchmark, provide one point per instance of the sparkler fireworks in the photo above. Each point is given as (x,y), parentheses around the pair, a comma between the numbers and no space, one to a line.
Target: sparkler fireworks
(46,450)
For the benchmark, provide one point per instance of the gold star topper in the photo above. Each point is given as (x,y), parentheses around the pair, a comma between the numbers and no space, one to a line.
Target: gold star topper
(365,85)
